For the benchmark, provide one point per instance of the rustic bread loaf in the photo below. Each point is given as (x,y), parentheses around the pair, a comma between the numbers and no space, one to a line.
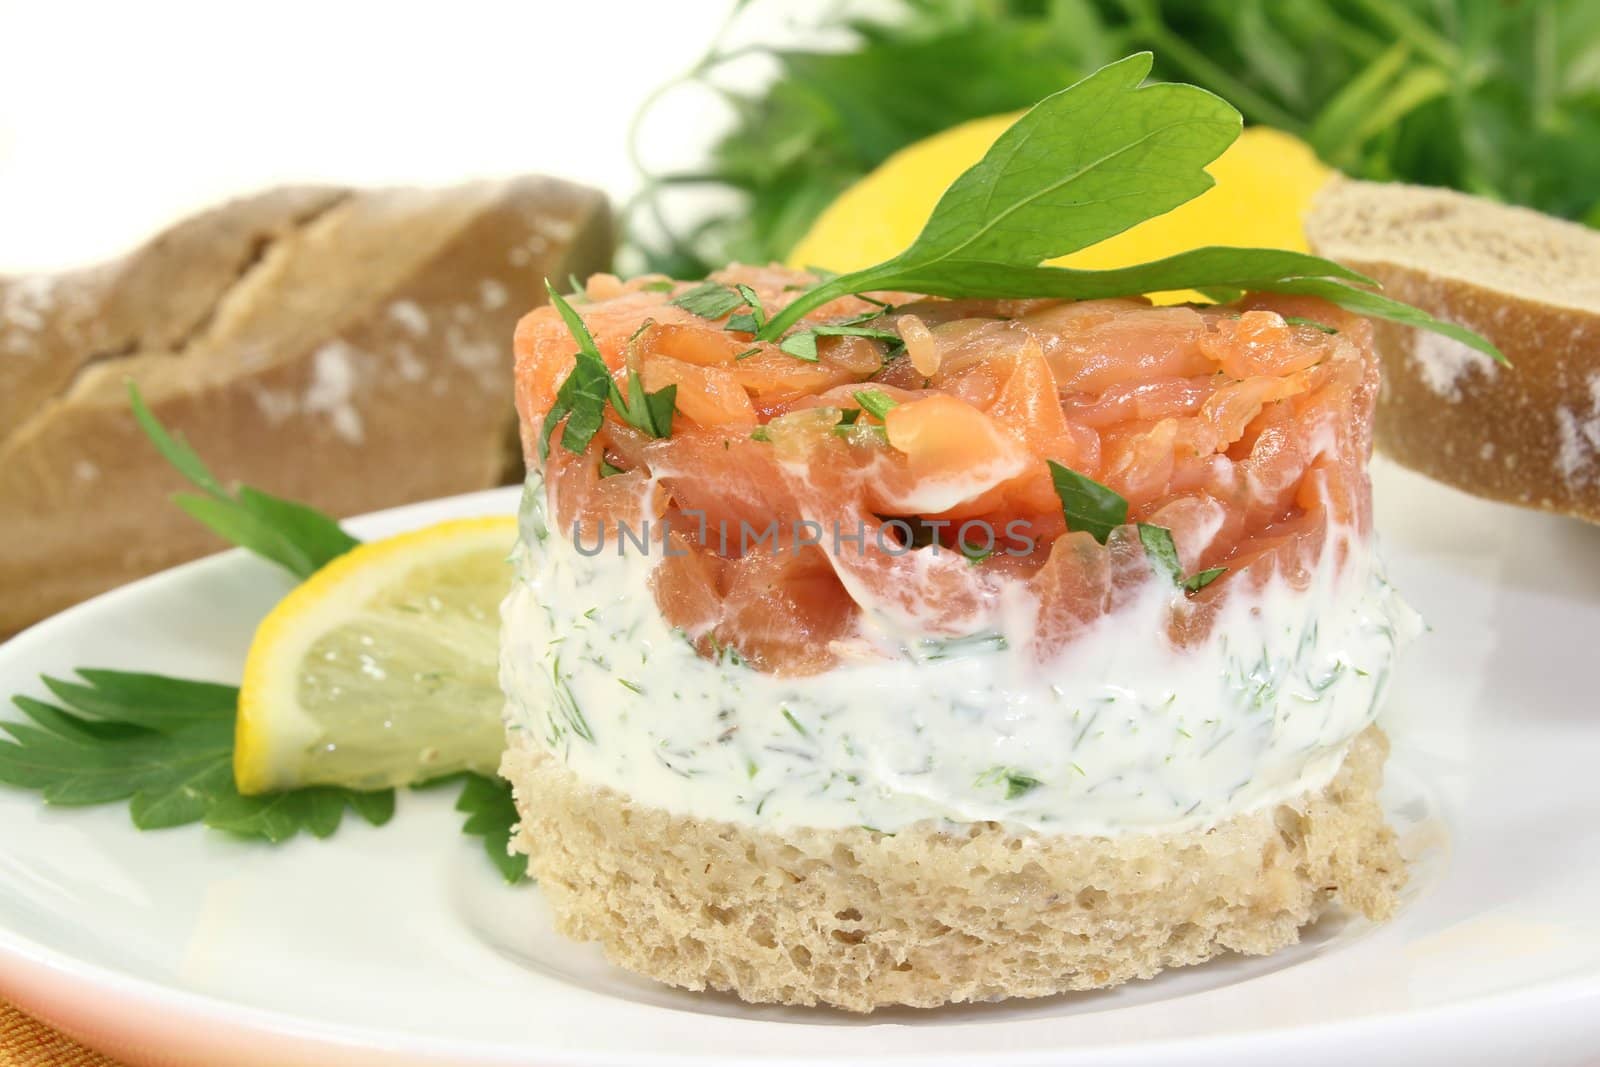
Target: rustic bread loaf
(1527,434)
(350,349)
(934,914)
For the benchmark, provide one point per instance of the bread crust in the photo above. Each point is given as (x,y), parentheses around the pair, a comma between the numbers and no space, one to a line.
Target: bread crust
(346,349)
(1528,434)
(859,919)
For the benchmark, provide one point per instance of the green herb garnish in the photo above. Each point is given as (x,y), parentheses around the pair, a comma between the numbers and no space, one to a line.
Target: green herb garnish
(1082,165)
(164,745)
(1086,504)
(1198,581)
(297,538)
(802,344)
(1300,320)
(1098,509)
(710,300)
(973,553)
(491,812)
(801,730)
(875,402)
(713,300)
(582,398)
(1163,554)
(748,321)
(1158,546)
(650,412)
(1016,782)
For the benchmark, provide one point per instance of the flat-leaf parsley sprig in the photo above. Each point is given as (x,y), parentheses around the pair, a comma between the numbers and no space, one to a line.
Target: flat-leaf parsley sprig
(582,398)
(1098,509)
(1082,165)
(297,538)
(165,745)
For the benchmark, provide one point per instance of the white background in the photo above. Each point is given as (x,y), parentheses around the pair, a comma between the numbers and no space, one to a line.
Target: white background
(117,118)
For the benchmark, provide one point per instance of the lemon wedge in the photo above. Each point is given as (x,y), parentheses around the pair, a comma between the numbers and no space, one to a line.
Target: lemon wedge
(1264,184)
(382,668)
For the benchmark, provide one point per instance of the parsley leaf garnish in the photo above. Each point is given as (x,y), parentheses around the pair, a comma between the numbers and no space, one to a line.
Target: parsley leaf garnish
(649,412)
(710,300)
(1300,320)
(491,815)
(875,402)
(165,745)
(1098,509)
(803,343)
(1163,554)
(800,346)
(1084,164)
(297,538)
(1199,580)
(582,398)
(1158,546)
(750,321)
(1086,504)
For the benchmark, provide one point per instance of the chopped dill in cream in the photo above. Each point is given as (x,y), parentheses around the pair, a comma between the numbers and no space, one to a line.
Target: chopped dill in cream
(1122,732)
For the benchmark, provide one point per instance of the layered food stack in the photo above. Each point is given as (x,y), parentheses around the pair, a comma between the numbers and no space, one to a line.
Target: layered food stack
(946,649)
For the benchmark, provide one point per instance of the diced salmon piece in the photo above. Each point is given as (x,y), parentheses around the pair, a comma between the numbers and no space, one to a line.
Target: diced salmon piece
(783,610)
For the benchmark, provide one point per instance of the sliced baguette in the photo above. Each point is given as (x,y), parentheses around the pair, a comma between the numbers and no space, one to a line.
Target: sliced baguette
(349,349)
(1528,434)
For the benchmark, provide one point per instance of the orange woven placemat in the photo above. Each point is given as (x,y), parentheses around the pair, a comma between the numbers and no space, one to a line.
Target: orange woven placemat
(27,1042)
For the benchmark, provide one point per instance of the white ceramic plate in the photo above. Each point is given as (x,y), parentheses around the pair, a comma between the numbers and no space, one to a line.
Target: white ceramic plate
(399,946)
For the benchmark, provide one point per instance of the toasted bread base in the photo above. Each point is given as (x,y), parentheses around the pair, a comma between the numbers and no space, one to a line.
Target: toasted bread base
(926,916)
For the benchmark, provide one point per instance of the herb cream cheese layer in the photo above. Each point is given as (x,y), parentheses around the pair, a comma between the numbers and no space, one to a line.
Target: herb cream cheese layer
(1122,733)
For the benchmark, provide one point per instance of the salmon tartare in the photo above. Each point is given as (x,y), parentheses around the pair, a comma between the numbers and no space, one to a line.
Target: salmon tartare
(925,655)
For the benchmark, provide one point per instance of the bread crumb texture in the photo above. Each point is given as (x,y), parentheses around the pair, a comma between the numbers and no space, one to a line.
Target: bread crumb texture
(1513,250)
(933,914)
